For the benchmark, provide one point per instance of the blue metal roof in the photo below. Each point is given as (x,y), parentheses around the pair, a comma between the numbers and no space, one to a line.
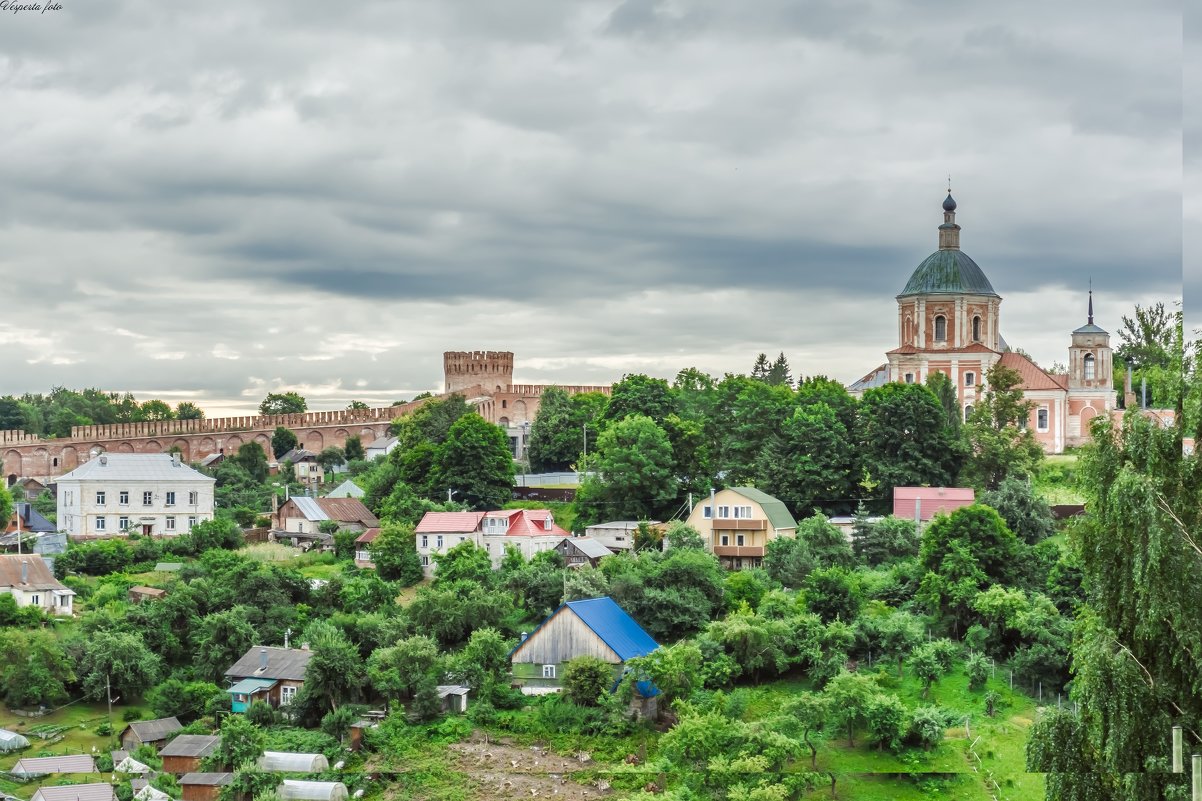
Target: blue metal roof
(615,628)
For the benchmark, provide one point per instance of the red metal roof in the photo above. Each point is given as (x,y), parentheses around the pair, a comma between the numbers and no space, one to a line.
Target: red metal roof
(522,522)
(368,536)
(933,500)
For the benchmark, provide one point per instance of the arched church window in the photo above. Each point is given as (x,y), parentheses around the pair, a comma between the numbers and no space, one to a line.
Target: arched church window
(1089,367)
(976,329)
(941,329)
(967,412)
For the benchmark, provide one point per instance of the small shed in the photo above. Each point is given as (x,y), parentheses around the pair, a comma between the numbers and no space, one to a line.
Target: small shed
(357,729)
(184,753)
(137,594)
(98,791)
(453,697)
(288,762)
(149,732)
(921,504)
(295,790)
(204,786)
(11,741)
(44,766)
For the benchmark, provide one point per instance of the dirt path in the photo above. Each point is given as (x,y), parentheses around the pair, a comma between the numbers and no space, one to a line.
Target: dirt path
(505,771)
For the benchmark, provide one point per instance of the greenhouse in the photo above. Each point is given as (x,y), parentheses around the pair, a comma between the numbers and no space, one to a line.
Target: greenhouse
(11,741)
(286,762)
(312,791)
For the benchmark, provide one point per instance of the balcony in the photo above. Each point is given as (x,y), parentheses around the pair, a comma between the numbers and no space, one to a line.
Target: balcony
(740,551)
(731,524)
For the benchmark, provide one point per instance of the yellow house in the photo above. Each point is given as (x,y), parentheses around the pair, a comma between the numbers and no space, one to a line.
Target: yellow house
(737,524)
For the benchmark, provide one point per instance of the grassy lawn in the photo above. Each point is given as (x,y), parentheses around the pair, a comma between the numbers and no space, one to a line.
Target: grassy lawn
(70,730)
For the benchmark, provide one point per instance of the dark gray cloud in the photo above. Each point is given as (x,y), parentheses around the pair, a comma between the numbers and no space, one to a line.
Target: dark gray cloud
(222,200)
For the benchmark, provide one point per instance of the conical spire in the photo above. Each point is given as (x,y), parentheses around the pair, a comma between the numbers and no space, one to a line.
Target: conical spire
(1091,306)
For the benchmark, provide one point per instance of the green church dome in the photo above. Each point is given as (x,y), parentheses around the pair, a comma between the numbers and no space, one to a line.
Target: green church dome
(948,272)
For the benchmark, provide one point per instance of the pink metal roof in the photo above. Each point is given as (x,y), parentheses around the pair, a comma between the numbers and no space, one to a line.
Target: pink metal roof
(522,522)
(449,522)
(933,500)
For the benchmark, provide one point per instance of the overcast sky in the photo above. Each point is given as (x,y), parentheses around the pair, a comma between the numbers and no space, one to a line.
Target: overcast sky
(214,201)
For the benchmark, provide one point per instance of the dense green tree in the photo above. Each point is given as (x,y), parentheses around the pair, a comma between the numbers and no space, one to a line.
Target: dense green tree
(634,473)
(586,679)
(395,671)
(675,669)
(283,403)
(680,534)
(185,699)
(432,421)
(253,460)
(941,387)
(808,463)
(850,695)
(833,593)
(1027,515)
(282,441)
(352,448)
(983,534)
(335,672)
(638,394)
(394,553)
(331,457)
(788,560)
(484,661)
(756,413)
(887,719)
(157,410)
(1000,442)
(927,666)
(778,373)
(35,670)
(451,612)
(886,541)
(746,587)
(6,505)
(220,640)
(759,370)
(11,415)
(119,660)
(186,410)
(465,561)
(475,461)
(810,712)
(825,542)
(241,743)
(555,439)
(896,636)
(904,439)
(1146,339)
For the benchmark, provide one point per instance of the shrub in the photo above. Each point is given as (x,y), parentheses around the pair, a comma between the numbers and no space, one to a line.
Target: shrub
(928,725)
(977,669)
(260,713)
(586,679)
(131,714)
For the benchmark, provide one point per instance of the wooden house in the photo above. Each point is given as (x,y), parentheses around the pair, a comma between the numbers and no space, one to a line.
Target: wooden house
(184,753)
(593,627)
(149,732)
(274,675)
(138,593)
(581,551)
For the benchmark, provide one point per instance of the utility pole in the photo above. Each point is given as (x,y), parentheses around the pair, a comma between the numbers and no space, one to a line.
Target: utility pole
(108,696)
(585,459)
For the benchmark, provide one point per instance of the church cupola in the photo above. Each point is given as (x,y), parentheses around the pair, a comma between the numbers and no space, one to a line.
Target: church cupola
(1089,356)
(949,232)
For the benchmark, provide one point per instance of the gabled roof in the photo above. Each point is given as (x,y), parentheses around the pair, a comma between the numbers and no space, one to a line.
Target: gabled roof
(609,622)
(207,779)
(449,522)
(530,523)
(368,536)
(37,573)
(589,547)
(876,378)
(191,745)
(71,763)
(135,467)
(1033,376)
(298,455)
(31,519)
(98,791)
(159,729)
(381,444)
(778,514)
(347,489)
(344,510)
(282,663)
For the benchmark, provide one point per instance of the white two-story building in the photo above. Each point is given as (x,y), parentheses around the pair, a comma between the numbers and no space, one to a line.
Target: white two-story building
(118,493)
(529,530)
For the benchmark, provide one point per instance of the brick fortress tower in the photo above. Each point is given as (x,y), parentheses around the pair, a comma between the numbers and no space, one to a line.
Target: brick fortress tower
(464,369)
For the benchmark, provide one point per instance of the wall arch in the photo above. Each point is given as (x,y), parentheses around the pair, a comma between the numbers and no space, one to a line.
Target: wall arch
(124,447)
(68,458)
(185,449)
(13,463)
(153,446)
(314,441)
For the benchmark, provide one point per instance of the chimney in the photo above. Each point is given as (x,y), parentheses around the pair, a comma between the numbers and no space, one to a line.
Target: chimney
(524,636)
(262,659)
(547,523)
(175,460)
(24,572)
(104,460)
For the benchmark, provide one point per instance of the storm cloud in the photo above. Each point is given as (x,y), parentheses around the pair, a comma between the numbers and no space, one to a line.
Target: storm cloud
(216,201)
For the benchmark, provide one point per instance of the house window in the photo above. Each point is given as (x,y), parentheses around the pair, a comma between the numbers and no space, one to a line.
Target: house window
(438,542)
(707,512)
(548,671)
(909,378)
(64,600)
(425,561)
(940,328)
(1089,367)
(967,412)
(171,499)
(100,498)
(147,498)
(191,522)
(193,498)
(1041,418)
(425,540)
(739,540)
(970,379)
(724,512)
(742,513)
(123,523)
(287,693)
(101,523)
(171,522)
(504,404)
(976,329)
(123,497)
(35,600)
(55,460)
(725,539)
